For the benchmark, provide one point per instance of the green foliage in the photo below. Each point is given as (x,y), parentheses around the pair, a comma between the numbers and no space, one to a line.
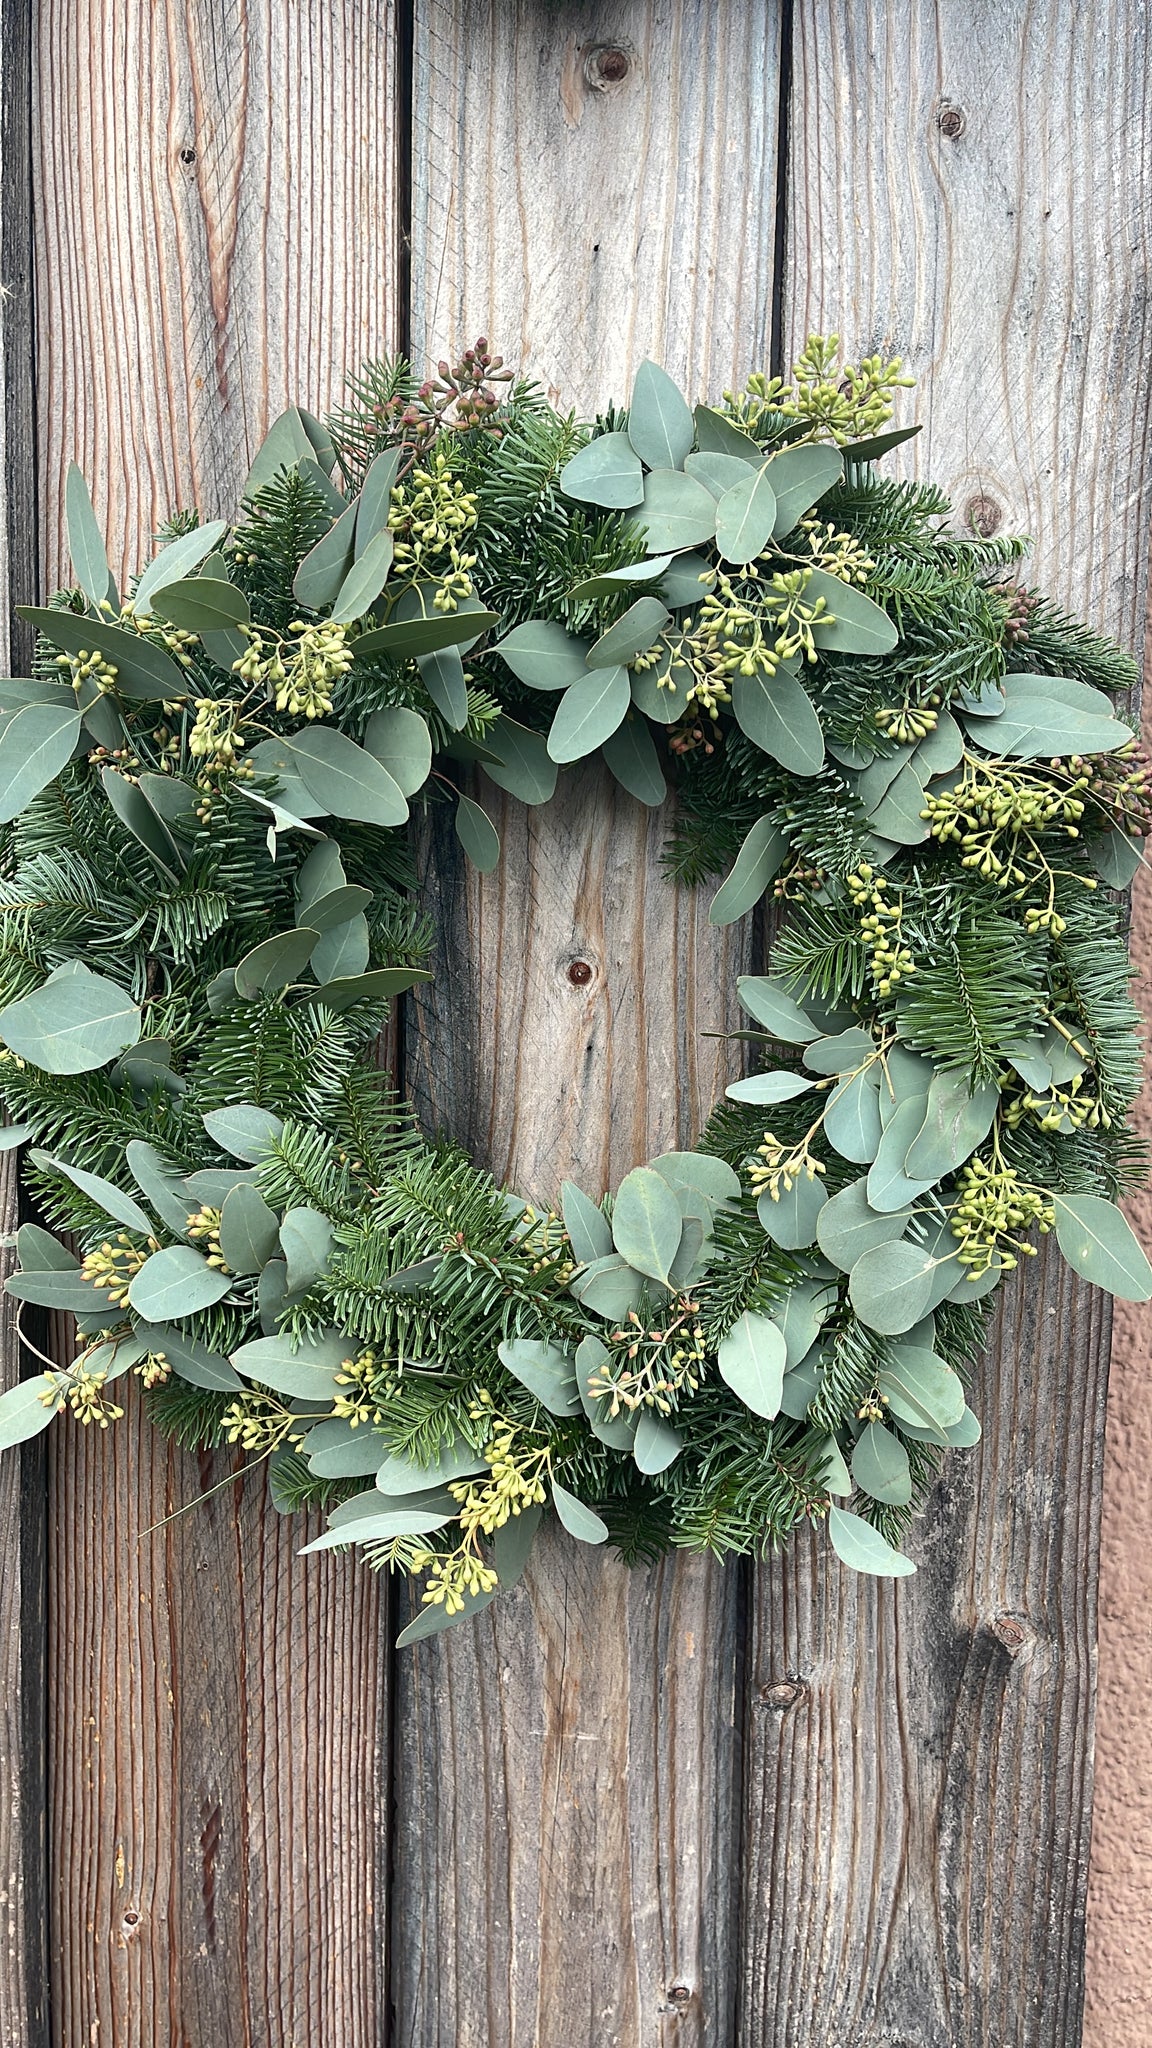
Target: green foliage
(839,673)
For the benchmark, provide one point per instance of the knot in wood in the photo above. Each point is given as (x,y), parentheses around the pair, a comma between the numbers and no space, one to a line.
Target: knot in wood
(984,515)
(606,65)
(952,121)
(580,972)
(782,1693)
(1012,1633)
(188,158)
(679,1995)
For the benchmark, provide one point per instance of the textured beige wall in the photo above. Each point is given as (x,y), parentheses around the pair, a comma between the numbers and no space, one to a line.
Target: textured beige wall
(1119,1999)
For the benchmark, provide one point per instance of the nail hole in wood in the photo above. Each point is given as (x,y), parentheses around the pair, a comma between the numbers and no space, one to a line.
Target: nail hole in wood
(952,121)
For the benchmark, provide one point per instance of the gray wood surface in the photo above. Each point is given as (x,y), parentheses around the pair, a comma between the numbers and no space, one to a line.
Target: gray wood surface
(589,188)
(775,1810)
(920,1764)
(216,223)
(23,1976)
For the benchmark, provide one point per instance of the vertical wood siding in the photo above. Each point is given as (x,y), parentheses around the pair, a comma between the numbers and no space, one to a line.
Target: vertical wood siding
(777,1807)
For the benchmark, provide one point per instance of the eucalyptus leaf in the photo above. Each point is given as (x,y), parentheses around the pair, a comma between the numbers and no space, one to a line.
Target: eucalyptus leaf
(609,582)
(275,962)
(852,1117)
(698,1178)
(342,953)
(776,1010)
(161,1184)
(543,654)
(344,779)
(26,1409)
(523,765)
(325,566)
(745,518)
(306,1241)
(853,624)
(617,1431)
(778,716)
(633,633)
(890,1189)
(791,1220)
(841,1053)
(177,1281)
(634,762)
(304,1371)
(646,1223)
(589,1230)
(759,859)
(104,1193)
(656,1444)
(85,542)
(423,634)
(245,1130)
(849,1225)
(955,1123)
(442,674)
(190,1360)
(860,1546)
(1052,716)
(880,1466)
(580,1521)
(1098,1243)
(890,1286)
(588,713)
(374,504)
(718,472)
(715,432)
(202,604)
(139,817)
(73,1023)
(248,1230)
(365,579)
(548,1372)
(799,478)
(678,511)
(609,1287)
(458,1460)
(752,1358)
(477,835)
(781,1086)
(35,744)
(802,1313)
(143,669)
(606,472)
(660,423)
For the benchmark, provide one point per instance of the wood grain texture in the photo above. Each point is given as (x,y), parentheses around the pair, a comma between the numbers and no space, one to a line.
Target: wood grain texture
(217,234)
(919,1757)
(918,1818)
(564,1770)
(23,1974)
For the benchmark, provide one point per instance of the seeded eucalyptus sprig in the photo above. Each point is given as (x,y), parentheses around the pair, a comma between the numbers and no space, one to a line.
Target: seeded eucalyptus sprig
(207,903)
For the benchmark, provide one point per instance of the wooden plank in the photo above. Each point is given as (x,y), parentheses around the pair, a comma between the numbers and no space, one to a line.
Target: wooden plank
(920,1764)
(217,228)
(566,1772)
(23,1890)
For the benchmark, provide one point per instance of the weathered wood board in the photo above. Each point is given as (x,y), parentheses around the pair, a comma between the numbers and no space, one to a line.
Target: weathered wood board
(216,235)
(770,1809)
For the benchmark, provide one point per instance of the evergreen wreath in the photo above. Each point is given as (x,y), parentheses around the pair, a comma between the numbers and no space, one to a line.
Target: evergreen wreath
(207,902)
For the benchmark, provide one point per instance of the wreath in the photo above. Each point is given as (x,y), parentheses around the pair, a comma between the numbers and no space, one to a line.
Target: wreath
(207,901)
